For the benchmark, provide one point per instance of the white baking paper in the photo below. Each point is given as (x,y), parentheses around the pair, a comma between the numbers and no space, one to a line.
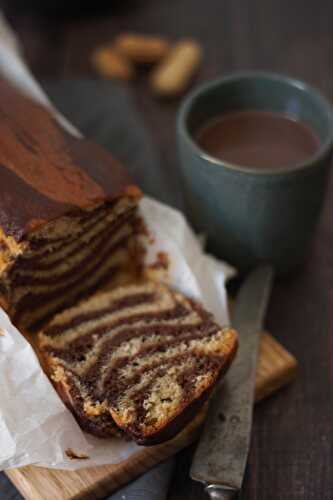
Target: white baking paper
(35,426)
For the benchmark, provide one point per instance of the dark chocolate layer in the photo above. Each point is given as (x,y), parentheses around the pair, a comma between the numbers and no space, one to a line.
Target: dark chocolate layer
(102,426)
(32,299)
(82,345)
(81,294)
(20,203)
(115,387)
(45,171)
(102,240)
(185,416)
(129,301)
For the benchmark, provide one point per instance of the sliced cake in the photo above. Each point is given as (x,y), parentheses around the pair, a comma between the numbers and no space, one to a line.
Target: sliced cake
(140,358)
(67,214)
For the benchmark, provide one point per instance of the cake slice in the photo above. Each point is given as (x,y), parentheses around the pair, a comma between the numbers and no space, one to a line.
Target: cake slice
(67,214)
(140,358)
(67,259)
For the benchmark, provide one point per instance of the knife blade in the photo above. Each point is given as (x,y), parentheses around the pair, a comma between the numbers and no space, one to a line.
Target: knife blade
(221,455)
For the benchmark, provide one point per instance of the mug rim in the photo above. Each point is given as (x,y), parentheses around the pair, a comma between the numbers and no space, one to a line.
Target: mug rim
(202,89)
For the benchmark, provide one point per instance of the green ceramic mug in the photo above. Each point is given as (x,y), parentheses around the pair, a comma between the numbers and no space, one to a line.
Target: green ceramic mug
(250,215)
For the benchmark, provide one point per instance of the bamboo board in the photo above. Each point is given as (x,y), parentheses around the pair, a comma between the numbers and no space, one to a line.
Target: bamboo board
(276,367)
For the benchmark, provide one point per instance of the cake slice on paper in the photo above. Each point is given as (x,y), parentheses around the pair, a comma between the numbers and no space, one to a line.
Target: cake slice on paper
(139,358)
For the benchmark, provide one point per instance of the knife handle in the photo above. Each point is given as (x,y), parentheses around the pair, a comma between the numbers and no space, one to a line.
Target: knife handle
(217,492)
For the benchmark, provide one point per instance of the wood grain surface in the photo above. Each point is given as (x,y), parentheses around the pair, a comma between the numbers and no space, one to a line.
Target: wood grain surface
(291,454)
(276,367)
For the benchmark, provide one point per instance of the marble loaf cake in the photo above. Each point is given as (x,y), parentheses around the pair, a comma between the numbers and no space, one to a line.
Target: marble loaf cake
(67,214)
(140,358)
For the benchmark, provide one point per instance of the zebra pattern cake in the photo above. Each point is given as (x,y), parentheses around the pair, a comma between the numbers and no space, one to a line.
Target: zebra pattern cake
(67,214)
(140,358)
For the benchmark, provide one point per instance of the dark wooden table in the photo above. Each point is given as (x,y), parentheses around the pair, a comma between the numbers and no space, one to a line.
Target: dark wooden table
(292,452)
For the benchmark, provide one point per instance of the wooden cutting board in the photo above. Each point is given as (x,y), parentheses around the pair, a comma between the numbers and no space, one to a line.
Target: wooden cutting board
(276,367)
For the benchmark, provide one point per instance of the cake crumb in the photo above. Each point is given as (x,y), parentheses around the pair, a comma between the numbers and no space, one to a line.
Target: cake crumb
(35,224)
(2,332)
(72,455)
(159,269)
(162,261)
(3,246)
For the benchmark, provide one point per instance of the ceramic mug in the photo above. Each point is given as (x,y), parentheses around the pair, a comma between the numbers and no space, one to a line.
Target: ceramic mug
(253,216)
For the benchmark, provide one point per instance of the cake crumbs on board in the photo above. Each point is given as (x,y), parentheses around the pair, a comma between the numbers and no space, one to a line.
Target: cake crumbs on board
(162,261)
(72,455)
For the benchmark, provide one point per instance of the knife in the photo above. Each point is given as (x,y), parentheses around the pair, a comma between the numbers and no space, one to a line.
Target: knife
(220,459)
